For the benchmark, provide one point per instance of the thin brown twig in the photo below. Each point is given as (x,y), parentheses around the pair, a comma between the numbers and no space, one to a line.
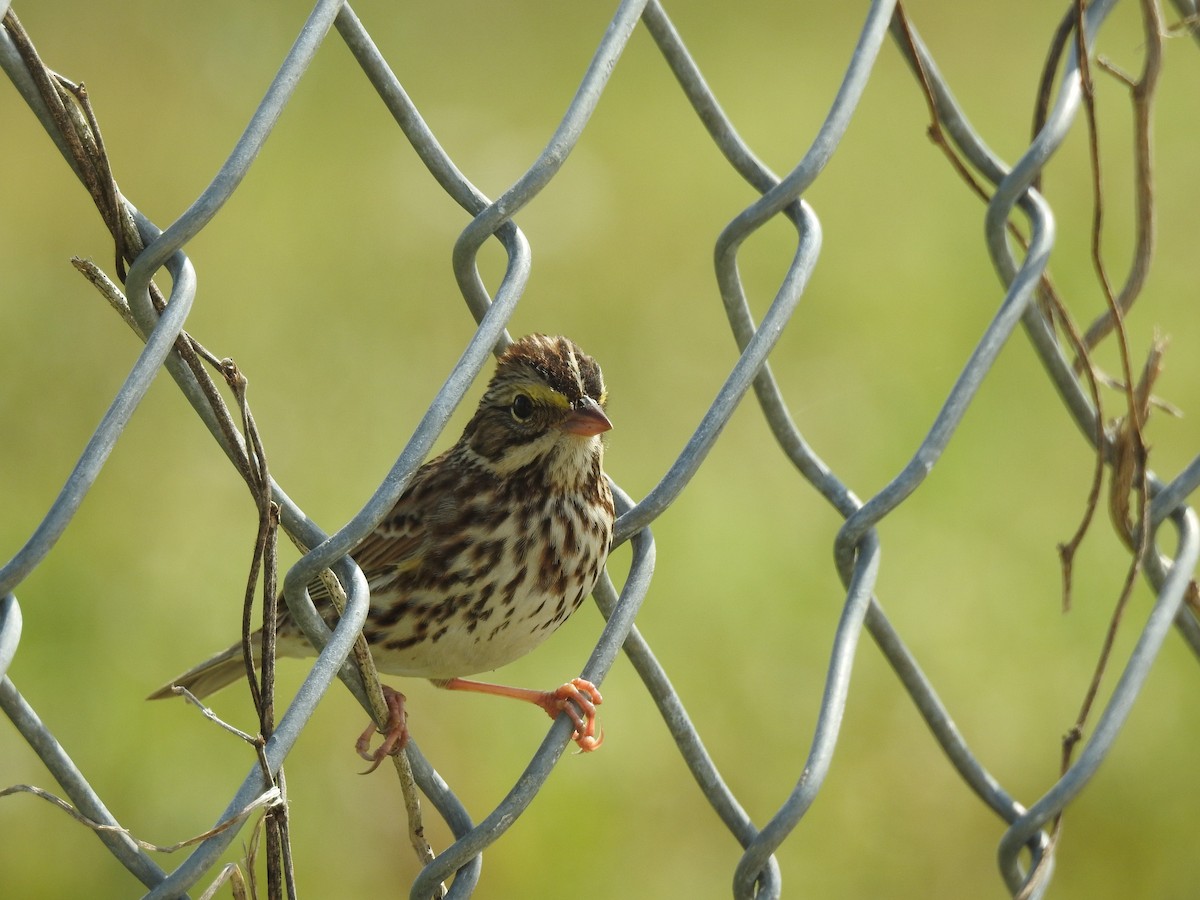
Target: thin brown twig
(1129,447)
(1049,302)
(113,209)
(232,873)
(285,841)
(379,712)
(1084,365)
(934,129)
(1041,106)
(213,717)
(44,80)
(1068,549)
(254,470)
(1142,90)
(1053,307)
(263,539)
(1189,23)
(252,856)
(1128,471)
(264,800)
(78,125)
(1075,733)
(278,852)
(75,118)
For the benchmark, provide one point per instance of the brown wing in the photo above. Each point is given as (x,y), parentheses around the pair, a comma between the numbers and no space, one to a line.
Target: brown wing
(403,539)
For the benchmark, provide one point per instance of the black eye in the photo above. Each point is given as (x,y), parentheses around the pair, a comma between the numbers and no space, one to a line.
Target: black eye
(522,407)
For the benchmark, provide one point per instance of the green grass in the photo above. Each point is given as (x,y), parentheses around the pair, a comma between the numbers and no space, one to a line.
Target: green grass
(327,277)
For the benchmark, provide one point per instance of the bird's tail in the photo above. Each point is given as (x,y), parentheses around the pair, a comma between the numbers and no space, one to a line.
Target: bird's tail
(213,674)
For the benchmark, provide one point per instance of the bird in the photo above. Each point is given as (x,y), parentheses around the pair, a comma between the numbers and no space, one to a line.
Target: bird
(490,547)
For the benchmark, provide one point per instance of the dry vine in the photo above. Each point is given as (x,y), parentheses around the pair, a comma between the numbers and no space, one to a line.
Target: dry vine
(75,117)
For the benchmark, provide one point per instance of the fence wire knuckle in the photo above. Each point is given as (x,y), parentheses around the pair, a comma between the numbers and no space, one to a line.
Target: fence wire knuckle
(1019,235)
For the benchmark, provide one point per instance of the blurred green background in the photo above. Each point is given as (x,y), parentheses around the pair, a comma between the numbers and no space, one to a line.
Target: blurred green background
(327,277)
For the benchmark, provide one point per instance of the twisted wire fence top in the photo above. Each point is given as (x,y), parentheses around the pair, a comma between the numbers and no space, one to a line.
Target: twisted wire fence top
(594,183)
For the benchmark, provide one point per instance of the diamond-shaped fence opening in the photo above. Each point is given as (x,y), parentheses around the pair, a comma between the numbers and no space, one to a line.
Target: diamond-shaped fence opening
(1009,442)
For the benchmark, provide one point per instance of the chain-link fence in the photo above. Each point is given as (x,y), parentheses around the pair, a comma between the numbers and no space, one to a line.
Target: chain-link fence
(1020,234)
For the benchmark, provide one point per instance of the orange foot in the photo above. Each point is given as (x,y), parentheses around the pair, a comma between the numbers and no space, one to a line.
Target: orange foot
(577,698)
(394,738)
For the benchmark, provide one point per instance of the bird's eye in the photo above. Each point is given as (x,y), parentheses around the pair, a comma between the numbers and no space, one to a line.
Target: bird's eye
(522,407)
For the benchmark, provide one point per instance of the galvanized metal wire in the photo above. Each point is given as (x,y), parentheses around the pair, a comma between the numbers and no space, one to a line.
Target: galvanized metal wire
(858,544)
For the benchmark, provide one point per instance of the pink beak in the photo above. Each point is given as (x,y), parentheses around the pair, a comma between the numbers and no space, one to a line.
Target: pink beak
(587,419)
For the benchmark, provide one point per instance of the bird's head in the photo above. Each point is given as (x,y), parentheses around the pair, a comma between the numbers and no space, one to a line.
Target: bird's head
(545,404)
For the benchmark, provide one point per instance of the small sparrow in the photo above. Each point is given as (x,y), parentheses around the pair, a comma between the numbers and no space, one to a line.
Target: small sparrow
(488,550)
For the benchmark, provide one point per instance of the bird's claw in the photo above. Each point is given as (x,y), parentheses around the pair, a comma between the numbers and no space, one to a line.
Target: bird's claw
(577,698)
(394,739)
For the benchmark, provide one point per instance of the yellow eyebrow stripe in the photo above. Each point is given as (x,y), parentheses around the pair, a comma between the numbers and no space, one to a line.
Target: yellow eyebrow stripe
(542,394)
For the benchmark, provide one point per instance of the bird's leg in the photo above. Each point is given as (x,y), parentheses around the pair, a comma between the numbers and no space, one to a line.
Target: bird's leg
(574,696)
(394,738)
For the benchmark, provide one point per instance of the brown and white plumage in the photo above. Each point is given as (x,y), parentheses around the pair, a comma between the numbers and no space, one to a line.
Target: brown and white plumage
(492,545)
